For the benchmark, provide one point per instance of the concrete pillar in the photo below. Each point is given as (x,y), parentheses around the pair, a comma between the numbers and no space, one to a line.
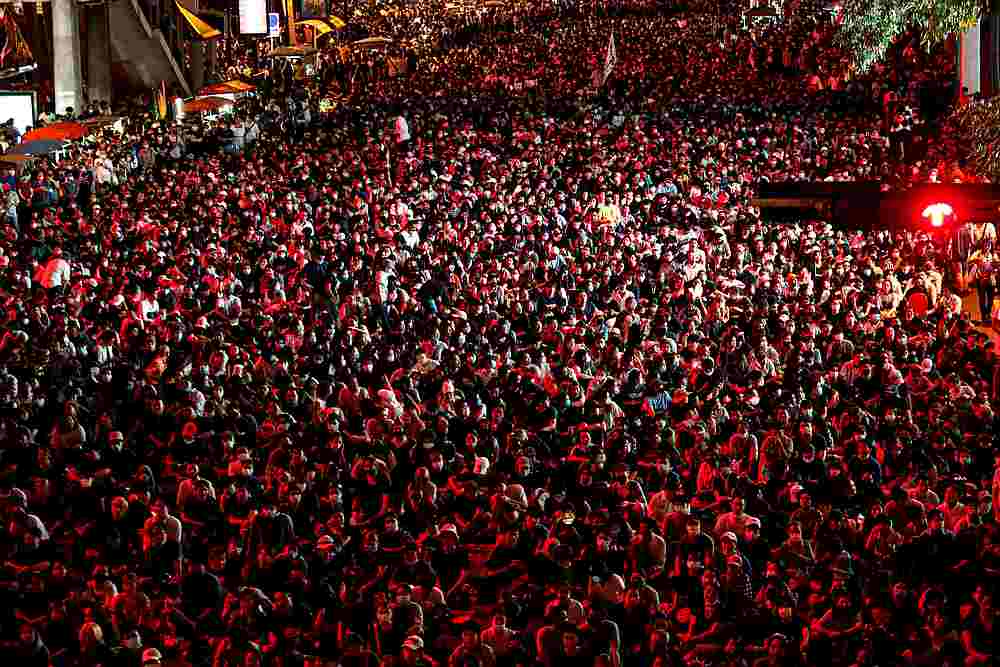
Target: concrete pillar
(98,54)
(971,59)
(197,65)
(66,65)
(211,57)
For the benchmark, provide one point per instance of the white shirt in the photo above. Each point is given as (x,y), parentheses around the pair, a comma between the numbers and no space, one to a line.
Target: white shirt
(149,308)
(56,273)
(402,129)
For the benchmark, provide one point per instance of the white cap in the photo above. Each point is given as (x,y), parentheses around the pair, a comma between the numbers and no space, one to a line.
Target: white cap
(481,466)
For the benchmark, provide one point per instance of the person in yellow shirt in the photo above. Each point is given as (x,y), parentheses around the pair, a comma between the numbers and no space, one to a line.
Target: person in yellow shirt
(608,212)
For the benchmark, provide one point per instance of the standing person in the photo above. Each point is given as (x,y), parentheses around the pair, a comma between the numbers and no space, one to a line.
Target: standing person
(55,273)
(401,129)
(982,277)
(384,279)
(964,247)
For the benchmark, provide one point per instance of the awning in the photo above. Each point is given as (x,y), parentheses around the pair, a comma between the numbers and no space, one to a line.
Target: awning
(372,42)
(200,28)
(292,52)
(320,27)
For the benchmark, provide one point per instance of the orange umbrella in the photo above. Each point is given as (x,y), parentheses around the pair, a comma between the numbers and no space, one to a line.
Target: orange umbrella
(206,104)
(58,132)
(234,86)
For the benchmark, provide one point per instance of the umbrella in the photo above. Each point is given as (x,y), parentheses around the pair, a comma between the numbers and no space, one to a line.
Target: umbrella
(228,88)
(372,42)
(206,104)
(58,132)
(320,27)
(337,22)
(99,121)
(38,147)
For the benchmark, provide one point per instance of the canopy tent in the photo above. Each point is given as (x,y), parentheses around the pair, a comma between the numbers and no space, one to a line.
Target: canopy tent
(100,121)
(202,30)
(38,147)
(233,87)
(372,43)
(16,162)
(763,10)
(58,132)
(206,104)
(292,52)
(763,15)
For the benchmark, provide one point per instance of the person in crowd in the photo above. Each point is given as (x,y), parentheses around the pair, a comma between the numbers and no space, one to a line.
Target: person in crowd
(466,361)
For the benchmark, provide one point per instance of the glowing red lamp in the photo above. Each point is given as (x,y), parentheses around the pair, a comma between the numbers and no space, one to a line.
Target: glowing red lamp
(937,213)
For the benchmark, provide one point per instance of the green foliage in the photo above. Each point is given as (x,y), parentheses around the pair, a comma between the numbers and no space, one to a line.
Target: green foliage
(870,27)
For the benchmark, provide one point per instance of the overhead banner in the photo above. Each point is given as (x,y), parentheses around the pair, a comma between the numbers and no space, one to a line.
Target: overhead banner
(253,17)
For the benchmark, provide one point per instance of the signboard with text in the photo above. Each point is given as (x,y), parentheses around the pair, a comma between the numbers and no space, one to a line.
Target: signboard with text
(274,24)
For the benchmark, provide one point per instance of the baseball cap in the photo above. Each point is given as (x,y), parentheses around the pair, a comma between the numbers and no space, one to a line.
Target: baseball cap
(414,643)
(449,528)
(729,536)
(151,655)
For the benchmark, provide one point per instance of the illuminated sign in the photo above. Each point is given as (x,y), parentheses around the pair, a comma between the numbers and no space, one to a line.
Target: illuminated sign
(253,17)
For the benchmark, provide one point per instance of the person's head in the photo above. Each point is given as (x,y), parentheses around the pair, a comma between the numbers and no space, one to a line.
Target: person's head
(983,597)
(119,508)
(91,636)
(27,633)
(151,657)
(157,535)
(470,637)
(570,641)
(776,645)
(413,649)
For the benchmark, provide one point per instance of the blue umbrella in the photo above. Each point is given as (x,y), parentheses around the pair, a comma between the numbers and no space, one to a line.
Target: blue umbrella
(37,147)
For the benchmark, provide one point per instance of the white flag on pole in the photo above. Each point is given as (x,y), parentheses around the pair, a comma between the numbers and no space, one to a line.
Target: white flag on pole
(610,59)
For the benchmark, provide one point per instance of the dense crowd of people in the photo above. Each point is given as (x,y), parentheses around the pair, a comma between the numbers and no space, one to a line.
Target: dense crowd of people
(488,367)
